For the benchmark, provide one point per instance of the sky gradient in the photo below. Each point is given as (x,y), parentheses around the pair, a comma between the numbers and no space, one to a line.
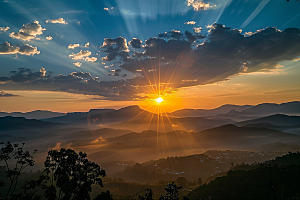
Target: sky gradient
(72,56)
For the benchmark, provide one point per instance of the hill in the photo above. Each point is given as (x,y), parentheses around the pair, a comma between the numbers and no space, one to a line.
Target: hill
(12,123)
(37,114)
(277,120)
(277,179)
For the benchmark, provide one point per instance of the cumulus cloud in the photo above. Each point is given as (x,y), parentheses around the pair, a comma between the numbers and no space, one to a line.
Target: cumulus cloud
(57,21)
(49,38)
(197,30)
(135,43)
(28,32)
(4,29)
(77,64)
(225,53)
(199,5)
(90,59)
(190,22)
(73,46)
(81,55)
(26,49)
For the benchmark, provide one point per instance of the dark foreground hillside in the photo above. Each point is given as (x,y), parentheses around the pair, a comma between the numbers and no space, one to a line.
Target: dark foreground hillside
(277,179)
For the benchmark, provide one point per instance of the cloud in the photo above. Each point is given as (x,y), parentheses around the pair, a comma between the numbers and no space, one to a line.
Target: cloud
(26,49)
(197,30)
(199,5)
(28,32)
(105,8)
(115,72)
(87,45)
(190,22)
(77,64)
(73,46)
(43,72)
(57,21)
(81,74)
(135,43)
(90,59)
(4,29)
(81,55)
(49,38)
(224,54)
(3,94)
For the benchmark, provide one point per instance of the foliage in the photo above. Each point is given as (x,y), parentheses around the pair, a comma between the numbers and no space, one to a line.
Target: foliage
(21,159)
(104,196)
(148,195)
(71,175)
(172,191)
(267,180)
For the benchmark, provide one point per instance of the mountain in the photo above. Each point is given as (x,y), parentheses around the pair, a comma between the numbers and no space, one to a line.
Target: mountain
(37,114)
(9,123)
(78,117)
(208,112)
(272,108)
(130,112)
(166,124)
(277,120)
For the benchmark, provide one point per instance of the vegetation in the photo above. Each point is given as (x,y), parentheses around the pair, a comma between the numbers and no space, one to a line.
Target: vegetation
(16,159)
(277,179)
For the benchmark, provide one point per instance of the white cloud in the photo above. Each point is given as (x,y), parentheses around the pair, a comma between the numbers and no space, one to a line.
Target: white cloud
(43,71)
(190,23)
(73,46)
(28,32)
(91,59)
(49,38)
(199,5)
(87,45)
(81,55)
(77,64)
(26,49)
(105,8)
(4,29)
(57,21)
(197,30)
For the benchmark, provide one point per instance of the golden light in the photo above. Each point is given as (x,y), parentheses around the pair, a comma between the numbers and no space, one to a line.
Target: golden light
(159,100)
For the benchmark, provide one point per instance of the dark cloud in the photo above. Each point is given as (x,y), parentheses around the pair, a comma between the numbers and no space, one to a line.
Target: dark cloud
(26,49)
(224,53)
(136,43)
(3,94)
(81,74)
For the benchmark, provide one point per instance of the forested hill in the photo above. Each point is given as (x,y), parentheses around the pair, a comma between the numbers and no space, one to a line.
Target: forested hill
(276,179)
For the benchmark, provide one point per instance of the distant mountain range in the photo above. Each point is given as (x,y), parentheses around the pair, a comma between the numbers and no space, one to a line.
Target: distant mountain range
(37,114)
(10,123)
(276,120)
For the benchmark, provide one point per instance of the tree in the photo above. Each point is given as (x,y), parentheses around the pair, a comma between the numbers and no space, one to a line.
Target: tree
(148,195)
(71,175)
(172,192)
(104,196)
(16,160)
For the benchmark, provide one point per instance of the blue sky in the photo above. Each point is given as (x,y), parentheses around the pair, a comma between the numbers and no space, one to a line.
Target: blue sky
(81,22)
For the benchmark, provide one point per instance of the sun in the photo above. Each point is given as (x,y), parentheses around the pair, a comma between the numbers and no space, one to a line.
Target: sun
(159,100)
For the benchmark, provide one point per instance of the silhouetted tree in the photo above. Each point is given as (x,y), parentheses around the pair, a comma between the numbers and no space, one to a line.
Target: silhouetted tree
(71,175)
(104,196)
(14,154)
(148,195)
(172,192)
